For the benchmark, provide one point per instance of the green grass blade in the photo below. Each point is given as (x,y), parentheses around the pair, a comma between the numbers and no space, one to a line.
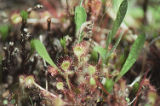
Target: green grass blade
(40,48)
(80,17)
(133,55)
(114,47)
(120,16)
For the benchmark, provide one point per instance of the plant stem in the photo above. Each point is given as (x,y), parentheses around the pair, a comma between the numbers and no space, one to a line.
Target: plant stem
(81,3)
(68,83)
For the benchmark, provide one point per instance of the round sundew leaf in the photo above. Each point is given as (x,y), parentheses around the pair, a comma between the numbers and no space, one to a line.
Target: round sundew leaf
(29,81)
(60,86)
(65,65)
(78,51)
(92,81)
(91,69)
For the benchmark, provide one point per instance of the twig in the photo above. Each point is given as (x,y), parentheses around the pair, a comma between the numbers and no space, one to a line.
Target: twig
(38,86)
(132,101)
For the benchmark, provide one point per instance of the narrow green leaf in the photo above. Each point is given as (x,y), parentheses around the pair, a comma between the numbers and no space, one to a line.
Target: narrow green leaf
(133,55)
(114,47)
(80,17)
(4,31)
(63,42)
(120,16)
(40,48)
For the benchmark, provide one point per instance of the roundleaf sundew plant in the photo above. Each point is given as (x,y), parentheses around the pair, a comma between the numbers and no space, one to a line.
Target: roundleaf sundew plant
(80,53)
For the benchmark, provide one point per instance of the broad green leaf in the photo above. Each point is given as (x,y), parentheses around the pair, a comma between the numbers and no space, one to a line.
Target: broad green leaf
(109,85)
(4,31)
(120,16)
(133,55)
(40,48)
(80,17)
